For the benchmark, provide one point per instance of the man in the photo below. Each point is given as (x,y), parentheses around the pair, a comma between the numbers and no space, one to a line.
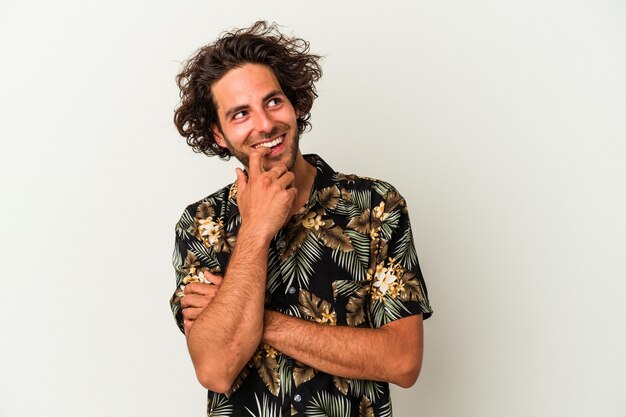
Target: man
(298,288)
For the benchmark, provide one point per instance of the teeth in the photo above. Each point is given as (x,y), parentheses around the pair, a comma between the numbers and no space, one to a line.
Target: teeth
(271,144)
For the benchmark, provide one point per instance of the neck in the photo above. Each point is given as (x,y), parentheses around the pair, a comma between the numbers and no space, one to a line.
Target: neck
(305,175)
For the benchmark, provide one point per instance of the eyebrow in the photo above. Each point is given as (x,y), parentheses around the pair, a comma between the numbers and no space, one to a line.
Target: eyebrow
(237,109)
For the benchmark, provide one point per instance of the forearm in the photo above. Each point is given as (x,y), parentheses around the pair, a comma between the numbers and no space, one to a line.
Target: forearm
(226,334)
(391,353)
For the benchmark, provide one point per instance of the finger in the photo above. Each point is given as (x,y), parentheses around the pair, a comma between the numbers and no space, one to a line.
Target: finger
(196,300)
(256,160)
(194,288)
(287,180)
(242,180)
(187,325)
(201,288)
(192,313)
(215,279)
(278,170)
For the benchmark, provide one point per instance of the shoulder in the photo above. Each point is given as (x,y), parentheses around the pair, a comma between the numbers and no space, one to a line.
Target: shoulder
(215,206)
(379,189)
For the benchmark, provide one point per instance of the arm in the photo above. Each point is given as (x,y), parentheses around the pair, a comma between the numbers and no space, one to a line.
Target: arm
(223,337)
(390,353)
(391,350)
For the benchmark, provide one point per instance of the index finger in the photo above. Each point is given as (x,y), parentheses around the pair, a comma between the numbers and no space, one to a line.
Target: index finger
(214,279)
(256,158)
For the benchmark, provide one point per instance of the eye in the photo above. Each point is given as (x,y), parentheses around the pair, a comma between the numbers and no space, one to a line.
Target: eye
(274,102)
(239,115)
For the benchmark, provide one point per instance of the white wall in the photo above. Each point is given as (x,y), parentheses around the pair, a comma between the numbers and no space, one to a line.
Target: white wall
(507,119)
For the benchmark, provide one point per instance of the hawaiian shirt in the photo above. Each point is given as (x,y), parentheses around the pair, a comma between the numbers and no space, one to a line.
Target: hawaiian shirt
(345,259)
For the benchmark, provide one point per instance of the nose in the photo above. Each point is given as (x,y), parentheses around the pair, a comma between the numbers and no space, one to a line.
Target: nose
(263,123)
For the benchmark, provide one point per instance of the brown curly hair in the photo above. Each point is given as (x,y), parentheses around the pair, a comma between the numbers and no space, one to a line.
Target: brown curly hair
(296,69)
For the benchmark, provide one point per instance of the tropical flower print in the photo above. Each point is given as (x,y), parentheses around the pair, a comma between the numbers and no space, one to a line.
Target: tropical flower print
(312,221)
(346,258)
(209,230)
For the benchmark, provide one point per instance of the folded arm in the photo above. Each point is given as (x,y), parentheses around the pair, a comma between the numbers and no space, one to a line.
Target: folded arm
(227,332)
(224,335)
(391,353)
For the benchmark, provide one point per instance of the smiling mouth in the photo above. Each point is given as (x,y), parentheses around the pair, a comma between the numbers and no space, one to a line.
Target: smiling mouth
(270,144)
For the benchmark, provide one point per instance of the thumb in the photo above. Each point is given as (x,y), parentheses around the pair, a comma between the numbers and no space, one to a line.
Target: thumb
(242,181)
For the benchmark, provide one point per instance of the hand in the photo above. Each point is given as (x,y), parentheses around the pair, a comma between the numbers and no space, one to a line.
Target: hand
(197,296)
(266,197)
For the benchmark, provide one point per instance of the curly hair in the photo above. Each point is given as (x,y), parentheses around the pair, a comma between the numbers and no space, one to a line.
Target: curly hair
(295,68)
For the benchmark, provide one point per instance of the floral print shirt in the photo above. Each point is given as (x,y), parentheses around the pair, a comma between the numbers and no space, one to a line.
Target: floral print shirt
(346,259)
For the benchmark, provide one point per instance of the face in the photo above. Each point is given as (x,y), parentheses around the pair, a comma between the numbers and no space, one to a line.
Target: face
(254,112)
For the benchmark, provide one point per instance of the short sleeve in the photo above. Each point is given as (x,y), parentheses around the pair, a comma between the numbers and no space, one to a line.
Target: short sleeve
(397,286)
(191,257)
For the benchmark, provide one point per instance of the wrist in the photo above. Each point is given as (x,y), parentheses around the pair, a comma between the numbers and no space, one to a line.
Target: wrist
(254,236)
(269,326)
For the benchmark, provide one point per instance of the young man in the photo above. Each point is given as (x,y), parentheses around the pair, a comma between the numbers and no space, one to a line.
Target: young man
(298,288)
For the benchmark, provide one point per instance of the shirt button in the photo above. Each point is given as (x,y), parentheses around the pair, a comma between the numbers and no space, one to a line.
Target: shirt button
(291,290)
(297,398)
(281,244)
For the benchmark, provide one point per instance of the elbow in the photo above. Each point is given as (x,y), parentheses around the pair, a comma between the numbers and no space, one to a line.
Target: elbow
(214,381)
(408,377)
(217,374)
(408,371)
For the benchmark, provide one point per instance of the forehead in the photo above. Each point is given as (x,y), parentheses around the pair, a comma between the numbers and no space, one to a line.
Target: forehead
(243,86)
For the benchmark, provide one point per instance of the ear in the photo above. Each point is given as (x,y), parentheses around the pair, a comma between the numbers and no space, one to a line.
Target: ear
(219,136)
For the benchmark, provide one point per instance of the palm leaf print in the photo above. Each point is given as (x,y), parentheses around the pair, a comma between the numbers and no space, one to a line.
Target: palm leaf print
(329,197)
(385,410)
(362,199)
(217,406)
(239,380)
(294,238)
(356,307)
(361,223)
(393,200)
(315,308)
(327,405)
(233,222)
(291,310)
(302,373)
(371,389)
(345,287)
(184,228)
(204,254)
(381,187)
(177,261)
(205,210)
(284,376)
(334,237)
(365,407)
(386,310)
(404,251)
(390,224)
(411,288)
(357,260)
(356,311)
(265,408)
(273,272)
(341,384)
(299,266)
(267,368)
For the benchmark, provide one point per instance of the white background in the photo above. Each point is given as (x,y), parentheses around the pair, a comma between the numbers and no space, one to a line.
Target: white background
(503,123)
